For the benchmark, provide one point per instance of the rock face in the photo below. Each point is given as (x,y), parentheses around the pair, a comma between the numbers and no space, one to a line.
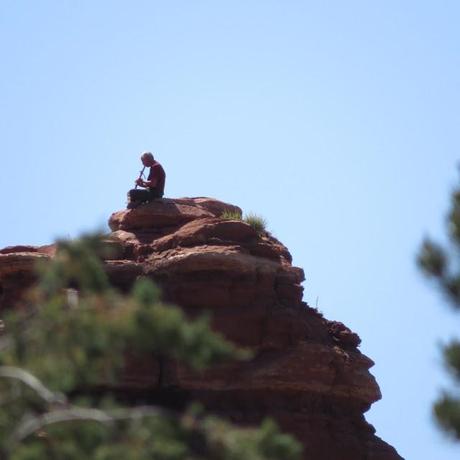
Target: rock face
(17,267)
(307,372)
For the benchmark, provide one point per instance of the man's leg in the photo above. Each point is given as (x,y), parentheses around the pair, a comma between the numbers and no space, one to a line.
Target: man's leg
(136,197)
(155,194)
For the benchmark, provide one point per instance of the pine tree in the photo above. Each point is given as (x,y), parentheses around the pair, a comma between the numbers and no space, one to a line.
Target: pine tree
(74,338)
(442,265)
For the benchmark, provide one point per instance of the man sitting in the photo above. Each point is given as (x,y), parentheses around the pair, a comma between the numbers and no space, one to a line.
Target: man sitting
(154,185)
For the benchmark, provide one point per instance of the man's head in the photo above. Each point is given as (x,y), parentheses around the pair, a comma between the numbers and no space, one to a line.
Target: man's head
(147,159)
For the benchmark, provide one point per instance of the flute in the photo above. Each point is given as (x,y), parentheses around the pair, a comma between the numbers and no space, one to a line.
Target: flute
(141,174)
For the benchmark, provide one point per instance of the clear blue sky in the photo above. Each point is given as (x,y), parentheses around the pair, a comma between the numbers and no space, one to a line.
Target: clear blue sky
(337,121)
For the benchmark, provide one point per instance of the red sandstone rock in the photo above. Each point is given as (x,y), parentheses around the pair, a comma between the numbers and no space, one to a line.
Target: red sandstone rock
(166,212)
(48,249)
(19,248)
(19,262)
(215,207)
(206,231)
(17,274)
(307,372)
(342,334)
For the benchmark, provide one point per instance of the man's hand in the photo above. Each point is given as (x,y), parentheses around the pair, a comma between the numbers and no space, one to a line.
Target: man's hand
(140,182)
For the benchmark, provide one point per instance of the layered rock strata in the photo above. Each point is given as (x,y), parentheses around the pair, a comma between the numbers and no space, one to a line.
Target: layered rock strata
(307,372)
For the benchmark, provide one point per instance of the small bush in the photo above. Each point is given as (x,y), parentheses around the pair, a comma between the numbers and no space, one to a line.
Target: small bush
(258,223)
(231,215)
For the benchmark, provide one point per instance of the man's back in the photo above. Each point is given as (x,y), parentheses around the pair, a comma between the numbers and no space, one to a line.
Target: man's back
(158,175)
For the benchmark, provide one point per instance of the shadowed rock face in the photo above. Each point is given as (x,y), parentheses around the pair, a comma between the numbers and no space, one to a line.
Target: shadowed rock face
(307,372)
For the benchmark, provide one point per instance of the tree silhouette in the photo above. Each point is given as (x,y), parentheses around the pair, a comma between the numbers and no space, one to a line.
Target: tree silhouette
(442,265)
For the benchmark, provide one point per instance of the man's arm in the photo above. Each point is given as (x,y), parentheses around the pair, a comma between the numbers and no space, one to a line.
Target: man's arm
(150,183)
(139,182)
(147,183)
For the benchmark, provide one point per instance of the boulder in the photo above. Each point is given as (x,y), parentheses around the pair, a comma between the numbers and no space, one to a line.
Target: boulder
(168,213)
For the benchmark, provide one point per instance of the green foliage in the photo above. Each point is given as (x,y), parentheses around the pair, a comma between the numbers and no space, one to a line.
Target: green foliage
(76,337)
(442,266)
(258,223)
(76,265)
(228,443)
(432,259)
(447,412)
(231,215)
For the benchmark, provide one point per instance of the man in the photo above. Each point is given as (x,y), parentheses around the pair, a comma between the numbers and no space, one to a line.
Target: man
(154,185)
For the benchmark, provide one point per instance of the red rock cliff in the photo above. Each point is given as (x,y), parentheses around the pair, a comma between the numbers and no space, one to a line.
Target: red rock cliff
(307,372)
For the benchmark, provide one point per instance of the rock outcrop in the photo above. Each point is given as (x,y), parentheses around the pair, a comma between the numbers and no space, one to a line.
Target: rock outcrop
(307,372)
